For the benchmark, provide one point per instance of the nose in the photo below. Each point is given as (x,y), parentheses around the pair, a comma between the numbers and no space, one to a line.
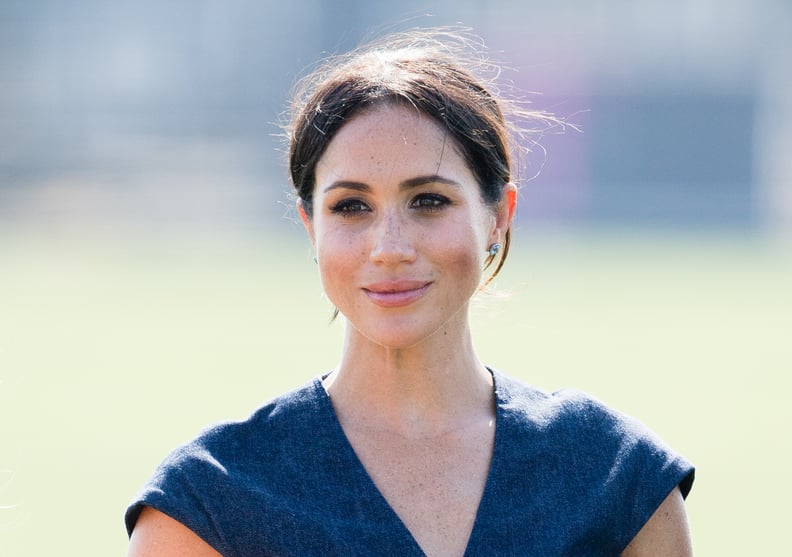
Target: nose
(391,243)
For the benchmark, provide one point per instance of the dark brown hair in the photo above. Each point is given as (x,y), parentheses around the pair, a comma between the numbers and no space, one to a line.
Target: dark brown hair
(440,72)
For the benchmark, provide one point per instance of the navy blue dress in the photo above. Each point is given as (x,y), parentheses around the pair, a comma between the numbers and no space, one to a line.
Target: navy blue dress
(569,477)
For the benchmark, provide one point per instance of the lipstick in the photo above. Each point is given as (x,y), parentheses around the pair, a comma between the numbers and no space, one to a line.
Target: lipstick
(391,294)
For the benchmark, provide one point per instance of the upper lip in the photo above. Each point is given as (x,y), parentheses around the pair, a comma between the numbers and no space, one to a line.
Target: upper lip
(390,286)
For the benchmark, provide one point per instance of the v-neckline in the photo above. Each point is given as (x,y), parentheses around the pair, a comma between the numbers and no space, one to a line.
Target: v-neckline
(360,470)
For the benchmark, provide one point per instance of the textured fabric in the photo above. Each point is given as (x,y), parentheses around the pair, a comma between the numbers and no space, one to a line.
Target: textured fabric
(568,477)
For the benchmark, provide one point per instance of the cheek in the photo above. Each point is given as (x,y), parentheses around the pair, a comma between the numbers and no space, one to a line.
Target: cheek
(334,240)
(459,251)
(334,275)
(339,256)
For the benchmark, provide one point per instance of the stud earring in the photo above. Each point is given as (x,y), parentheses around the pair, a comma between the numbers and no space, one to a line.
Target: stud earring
(494,249)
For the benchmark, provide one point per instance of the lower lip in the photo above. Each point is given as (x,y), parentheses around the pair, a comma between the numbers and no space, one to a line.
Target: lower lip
(396,299)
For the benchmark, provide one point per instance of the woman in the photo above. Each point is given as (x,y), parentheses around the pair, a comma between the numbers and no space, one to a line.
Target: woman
(400,157)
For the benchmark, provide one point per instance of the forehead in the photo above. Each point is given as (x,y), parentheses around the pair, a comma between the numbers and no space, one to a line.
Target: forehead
(390,139)
(393,123)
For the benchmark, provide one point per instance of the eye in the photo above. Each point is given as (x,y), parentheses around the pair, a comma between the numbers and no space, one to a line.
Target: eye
(430,202)
(349,207)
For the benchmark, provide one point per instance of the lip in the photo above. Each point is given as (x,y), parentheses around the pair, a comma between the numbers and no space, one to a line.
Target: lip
(391,294)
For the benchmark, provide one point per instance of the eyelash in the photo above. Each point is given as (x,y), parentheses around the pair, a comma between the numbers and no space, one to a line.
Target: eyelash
(349,207)
(425,202)
(436,201)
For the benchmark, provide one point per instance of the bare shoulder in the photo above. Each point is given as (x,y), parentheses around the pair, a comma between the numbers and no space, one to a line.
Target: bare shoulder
(666,533)
(158,535)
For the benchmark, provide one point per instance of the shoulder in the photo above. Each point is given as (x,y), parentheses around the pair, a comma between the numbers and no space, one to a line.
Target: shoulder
(589,431)
(279,419)
(587,457)
(566,408)
(561,408)
(195,476)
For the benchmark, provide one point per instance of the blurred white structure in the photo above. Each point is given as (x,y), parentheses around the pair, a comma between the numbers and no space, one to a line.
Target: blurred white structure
(773,134)
(685,105)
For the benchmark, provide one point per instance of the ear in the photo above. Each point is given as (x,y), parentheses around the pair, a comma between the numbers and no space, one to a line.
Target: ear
(306,220)
(504,213)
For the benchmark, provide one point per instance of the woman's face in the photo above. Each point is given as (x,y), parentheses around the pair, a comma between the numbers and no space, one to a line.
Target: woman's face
(400,231)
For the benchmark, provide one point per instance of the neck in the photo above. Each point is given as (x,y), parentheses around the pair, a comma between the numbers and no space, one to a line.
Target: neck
(424,390)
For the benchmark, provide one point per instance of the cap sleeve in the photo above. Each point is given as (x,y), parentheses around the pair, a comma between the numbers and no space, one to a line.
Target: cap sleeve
(185,486)
(636,469)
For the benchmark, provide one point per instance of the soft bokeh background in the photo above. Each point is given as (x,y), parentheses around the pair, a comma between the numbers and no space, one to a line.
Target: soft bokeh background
(153,279)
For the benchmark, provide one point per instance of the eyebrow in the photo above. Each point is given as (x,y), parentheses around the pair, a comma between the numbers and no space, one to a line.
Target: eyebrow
(408,184)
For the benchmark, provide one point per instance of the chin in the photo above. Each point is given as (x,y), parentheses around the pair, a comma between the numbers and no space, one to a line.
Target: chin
(398,336)
(395,340)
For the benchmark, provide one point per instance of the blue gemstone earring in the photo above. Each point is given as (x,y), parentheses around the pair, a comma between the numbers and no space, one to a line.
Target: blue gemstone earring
(494,249)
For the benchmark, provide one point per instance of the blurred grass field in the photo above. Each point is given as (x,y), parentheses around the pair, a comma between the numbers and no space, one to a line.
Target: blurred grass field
(114,350)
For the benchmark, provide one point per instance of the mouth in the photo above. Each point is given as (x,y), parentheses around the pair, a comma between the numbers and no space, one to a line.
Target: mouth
(393,294)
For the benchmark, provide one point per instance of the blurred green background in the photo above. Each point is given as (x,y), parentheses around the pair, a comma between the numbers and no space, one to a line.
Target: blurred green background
(112,352)
(154,278)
